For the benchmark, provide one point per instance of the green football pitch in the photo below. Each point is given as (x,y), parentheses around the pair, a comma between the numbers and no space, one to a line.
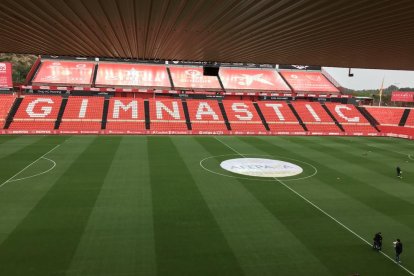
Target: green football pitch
(138,205)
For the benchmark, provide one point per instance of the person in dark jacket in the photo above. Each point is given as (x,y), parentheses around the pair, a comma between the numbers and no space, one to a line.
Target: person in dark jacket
(377,241)
(399,172)
(398,250)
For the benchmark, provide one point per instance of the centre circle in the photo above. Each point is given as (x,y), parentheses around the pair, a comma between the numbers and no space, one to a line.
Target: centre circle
(261,167)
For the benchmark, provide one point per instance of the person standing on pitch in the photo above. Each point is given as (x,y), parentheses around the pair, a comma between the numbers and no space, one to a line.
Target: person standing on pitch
(399,172)
(377,241)
(398,246)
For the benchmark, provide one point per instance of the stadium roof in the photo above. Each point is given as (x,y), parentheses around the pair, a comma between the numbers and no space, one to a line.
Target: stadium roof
(361,33)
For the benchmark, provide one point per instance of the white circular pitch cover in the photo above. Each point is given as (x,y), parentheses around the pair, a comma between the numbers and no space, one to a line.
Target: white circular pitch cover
(261,167)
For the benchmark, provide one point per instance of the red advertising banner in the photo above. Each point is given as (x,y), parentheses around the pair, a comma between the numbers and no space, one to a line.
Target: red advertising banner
(64,72)
(309,82)
(402,96)
(6,80)
(193,78)
(251,79)
(124,74)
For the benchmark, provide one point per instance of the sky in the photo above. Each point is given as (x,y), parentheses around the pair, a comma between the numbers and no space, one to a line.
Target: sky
(371,78)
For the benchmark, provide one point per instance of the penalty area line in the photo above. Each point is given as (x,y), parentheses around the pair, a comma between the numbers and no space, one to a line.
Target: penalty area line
(322,211)
(25,168)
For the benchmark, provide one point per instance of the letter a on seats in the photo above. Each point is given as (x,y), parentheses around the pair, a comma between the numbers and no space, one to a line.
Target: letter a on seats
(205,109)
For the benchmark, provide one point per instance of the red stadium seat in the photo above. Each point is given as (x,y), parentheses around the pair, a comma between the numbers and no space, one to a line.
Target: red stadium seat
(82,114)
(350,118)
(206,117)
(386,116)
(125,115)
(279,117)
(36,113)
(410,119)
(6,103)
(315,117)
(243,116)
(167,116)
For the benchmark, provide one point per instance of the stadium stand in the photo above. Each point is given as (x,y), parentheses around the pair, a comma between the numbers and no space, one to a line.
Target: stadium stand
(206,117)
(167,116)
(279,117)
(243,117)
(6,103)
(350,118)
(315,117)
(125,115)
(33,114)
(36,113)
(82,114)
(386,116)
(410,119)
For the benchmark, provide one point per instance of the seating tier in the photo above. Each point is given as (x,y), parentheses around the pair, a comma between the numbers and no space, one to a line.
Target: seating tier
(205,115)
(82,114)
(167,115)
(410,119)
(37,113)
(242,116)
(6,103)
(386,115)
(125,114)
(279,116)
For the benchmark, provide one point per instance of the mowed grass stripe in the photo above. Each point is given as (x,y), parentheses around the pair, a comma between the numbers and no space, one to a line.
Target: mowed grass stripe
(14,162)
(386,152)
(6,138)
(19,197)
(188,240)
(377,146)
(371,195)
(373,158)
(119,237)
(318,233)
(15,143)
(262,244)
(337,248)
(45,241)
(342,174)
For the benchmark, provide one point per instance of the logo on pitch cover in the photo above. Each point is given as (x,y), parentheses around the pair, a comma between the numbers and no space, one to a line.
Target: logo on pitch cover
(313,77)
(247,80)
(300,67)
(81,66)
(261,167)
(3,67)
(193,73)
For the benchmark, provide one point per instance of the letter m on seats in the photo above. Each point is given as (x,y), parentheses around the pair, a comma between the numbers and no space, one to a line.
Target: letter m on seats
(120,105)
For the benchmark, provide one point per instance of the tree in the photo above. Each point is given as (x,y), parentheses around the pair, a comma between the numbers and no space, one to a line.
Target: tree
(21,65)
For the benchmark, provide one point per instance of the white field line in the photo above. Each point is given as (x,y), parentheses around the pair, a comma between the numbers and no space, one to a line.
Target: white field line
(31,176)
(322,211)
(25,168)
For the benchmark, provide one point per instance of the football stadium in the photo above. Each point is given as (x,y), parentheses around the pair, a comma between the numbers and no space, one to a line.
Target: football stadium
(182,138)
